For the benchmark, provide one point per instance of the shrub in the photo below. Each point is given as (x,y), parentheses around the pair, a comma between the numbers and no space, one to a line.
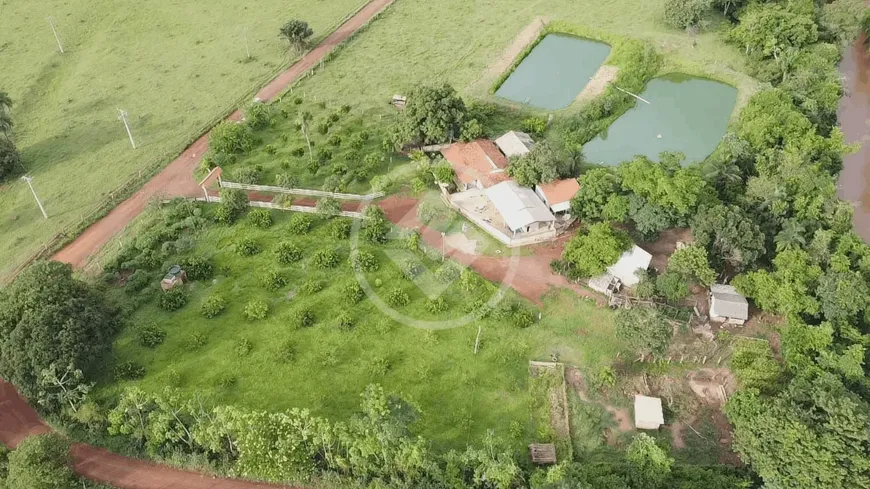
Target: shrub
(248,247)
(270,149)
(334,140)
(226,380)
(243,347)
(340,228)
(427,213)
(258,115)
(522,318)
(534,126)
(333,183)
(288,253)
(286,352)
(398,298)
(151,335)
(471,130)
(300,224)
(379,366)
(339,168)
(212,306)
(286,180)
(376,227)
(129,371)
(173,299)
(298,152)
(357,141)
(323,127)
(302,318)
(311,286)
(256,309)
(231,137)
(436,306)
(195,341)
(672,286)
(447,272)
(352,292)
(137,281)
(246,175)
(198,268)
(411,268)
(323,155)
(261,218)
(364,261)
(328,206)
(326,258)
(344,321)
(682,14)
(283,200)
(223,215)
(10,158)
(233,203)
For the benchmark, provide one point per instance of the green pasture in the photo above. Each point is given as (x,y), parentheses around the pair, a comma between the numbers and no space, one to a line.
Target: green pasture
(460,394)
(174,66)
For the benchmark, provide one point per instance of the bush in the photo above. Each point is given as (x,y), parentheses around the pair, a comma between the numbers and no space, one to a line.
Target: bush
(375,227)
(334,140)
(448,272)
(137,281)
(352,292)
(522,317)
(682,14)
(300,224)
(261,218)
(256,309)
(534,126)
(672,286)
(129,371)
(274,280)
(288,253)
(10,159)
(340,228)
(247,247)
(233,203)
(344,321)
(379,366)
(243,347)
(411,268)
(302,318)
(223,215)
(286,180)
(226,380)
(151,336)
(323,128)
(311,286)
(364,261)
(198,268)
(212,306)
(328,206)
(298,152)
(195,341)
(258,115)
(323,155)
(173,299)
(246,175)
(231,137)
(436,306)
(398,298)
(286,352)
(326,258)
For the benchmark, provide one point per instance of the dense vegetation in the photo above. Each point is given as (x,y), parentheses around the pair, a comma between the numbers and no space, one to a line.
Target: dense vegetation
(40,462)
(10,160)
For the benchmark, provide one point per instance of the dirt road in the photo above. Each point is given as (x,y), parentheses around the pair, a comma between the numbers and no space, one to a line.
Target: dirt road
(176,180)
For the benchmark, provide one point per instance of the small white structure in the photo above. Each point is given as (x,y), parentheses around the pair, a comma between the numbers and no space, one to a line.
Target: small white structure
(727,305)
(558,194)
(625,269)
(648,414)
(521,209)
(515,143)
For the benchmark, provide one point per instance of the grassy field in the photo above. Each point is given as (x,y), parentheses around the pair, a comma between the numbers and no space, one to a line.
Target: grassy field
(460,394)
(173,65)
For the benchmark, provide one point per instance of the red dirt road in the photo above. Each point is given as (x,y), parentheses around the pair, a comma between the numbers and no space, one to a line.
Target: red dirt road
(18,421)
(176,180)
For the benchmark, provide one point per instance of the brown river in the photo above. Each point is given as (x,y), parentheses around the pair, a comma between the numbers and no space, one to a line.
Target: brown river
(854,115)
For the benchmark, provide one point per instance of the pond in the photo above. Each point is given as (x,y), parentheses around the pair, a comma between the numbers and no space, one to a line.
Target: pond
(684,114)
(555,72)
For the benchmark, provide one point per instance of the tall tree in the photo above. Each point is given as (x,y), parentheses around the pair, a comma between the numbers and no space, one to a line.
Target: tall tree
(10,159)
(41,462)
(433,114)
(728,234)
(768,29)
(592,250)
(5,117)
(296,32)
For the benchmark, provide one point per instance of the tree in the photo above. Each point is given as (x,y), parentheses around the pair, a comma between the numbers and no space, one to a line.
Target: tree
(230,137)
(843,295)
(329,206)
(692,262)
(5,118)
(542,164)
(592,250)
(61,389)
(768,29)
(650,465)
(728,234)
(787,289)
(755,365)
(672,286)
(683,14)
(48,317)
(41,462)
(677,190)
(375,225)
(433,114)
(645,330)
(10,159)
(490,466)
(296,32)
(598,187)
(840,21)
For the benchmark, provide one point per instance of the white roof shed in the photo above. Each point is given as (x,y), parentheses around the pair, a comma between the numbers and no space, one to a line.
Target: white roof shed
(728,304)
(629,263)
(519,206)
(648,414)
(515,143)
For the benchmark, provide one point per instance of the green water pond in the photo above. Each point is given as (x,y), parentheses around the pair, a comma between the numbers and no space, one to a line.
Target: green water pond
(684,114)
(555,72)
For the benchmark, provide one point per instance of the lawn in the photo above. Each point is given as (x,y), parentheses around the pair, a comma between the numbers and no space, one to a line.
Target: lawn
(324,367)
(174,66)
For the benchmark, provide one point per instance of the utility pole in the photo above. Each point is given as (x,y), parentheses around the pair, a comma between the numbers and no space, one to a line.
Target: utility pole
(29,181)
(122,116)
(54,30)
(247,47)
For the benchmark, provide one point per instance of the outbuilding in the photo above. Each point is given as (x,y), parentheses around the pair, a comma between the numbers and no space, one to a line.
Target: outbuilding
(515,144)
(648,414)
(727,305)
(478,164)
(522,210)
(625,269)
(558,194)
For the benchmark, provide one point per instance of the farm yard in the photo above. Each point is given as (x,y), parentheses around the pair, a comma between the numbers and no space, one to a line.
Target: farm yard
(174,67)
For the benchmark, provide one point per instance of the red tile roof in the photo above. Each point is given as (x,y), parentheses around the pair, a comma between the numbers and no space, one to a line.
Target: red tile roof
(560,191)
(477,160)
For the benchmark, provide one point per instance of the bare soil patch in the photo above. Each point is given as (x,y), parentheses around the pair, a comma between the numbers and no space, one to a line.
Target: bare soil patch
(598,83)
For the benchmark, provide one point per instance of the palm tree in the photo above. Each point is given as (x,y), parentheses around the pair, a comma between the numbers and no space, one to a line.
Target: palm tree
(791,236)
(720,172)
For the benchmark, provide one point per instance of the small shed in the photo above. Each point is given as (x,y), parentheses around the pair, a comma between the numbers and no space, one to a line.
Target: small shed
(727,305)
(515,143)
(625,269)
(173,278)
(648,414)
(606,284)
(543,453)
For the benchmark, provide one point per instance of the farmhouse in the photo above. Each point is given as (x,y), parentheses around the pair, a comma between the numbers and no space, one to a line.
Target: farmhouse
(478,164)
(521,209)
(557,195)
(648,413)
(728,305)
(515,143)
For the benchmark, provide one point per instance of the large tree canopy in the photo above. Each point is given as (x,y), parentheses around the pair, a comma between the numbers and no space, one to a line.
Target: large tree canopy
(592,250)
(544,163)
(48,317)
(727,232)
(766,30)
(433,114)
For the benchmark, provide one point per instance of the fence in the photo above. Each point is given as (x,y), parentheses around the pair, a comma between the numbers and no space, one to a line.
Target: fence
(300,191)
(292,208)
(500,235)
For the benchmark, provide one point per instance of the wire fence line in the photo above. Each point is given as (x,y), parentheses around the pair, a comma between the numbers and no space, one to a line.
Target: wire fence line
(292,208)
(300,191)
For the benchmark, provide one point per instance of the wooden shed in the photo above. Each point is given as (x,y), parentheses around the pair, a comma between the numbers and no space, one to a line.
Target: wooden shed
(543,453)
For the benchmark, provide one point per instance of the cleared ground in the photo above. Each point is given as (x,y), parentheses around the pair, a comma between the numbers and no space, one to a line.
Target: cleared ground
(173,66)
